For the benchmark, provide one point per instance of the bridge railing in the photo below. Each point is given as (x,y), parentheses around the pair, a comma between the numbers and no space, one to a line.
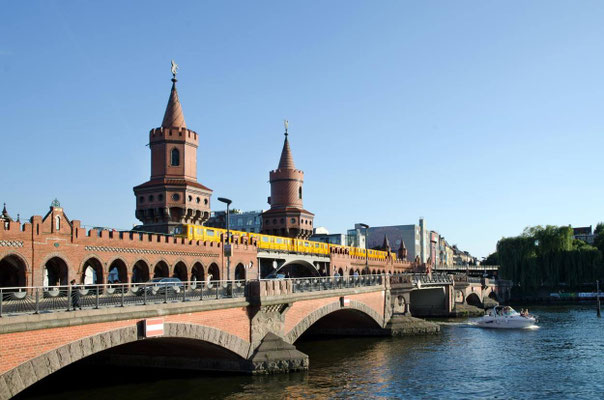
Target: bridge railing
(41,300)
(466,267)
(434,278)
(335,282)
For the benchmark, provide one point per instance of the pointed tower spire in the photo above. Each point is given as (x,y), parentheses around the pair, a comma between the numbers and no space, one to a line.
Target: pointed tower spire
(287,160)
(172,196)
(174,118)
(287,216)
(402,251)
(5,215)
(386,244)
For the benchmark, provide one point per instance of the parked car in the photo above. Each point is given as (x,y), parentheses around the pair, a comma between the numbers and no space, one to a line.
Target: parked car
(160,286)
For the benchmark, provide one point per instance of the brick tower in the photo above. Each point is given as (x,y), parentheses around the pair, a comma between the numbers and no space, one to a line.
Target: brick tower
(172,196)
(287,217)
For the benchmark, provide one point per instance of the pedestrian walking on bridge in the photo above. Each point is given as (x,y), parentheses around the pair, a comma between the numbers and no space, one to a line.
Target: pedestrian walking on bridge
(75,295)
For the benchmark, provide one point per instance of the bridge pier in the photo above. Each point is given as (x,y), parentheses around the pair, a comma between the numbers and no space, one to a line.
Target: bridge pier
(275,355)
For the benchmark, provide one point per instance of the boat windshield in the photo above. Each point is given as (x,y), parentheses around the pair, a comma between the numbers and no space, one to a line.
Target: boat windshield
(506,311)
(509,311)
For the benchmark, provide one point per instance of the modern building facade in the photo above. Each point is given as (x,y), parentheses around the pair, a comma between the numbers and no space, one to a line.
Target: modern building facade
(245,221)
(415,238)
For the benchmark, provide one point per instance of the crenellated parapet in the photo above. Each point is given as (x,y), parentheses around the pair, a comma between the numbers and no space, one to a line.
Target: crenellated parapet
(61,248)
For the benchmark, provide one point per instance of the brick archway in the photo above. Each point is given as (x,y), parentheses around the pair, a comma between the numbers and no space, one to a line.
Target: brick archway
(30,372)
(13,270)
(327,309)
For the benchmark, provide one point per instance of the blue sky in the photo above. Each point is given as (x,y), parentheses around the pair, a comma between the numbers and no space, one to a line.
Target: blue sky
(482,117)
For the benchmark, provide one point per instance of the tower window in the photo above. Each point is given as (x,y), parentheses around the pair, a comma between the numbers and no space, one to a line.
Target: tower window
(57,223)
(300,192)
(175,158)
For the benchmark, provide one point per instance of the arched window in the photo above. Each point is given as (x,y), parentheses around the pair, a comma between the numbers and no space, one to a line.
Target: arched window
(175,158)
(57,223)
(300,192)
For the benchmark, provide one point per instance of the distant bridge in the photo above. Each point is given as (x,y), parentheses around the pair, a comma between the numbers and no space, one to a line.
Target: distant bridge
(466,268)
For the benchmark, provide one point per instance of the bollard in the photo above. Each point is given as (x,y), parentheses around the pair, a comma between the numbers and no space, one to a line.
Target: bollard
(69,298)
(598,297)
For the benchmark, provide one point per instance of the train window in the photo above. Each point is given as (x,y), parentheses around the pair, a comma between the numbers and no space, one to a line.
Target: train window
(209,232)
(279,240)
(305,244)
(264,239)
(316,245)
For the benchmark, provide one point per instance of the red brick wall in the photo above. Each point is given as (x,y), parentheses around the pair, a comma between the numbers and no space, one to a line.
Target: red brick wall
(17,348)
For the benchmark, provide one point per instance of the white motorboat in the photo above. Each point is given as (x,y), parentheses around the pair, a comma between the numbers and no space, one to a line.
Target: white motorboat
(505,317)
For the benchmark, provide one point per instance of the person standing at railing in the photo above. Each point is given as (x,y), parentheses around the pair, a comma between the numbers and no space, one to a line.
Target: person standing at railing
(75,295)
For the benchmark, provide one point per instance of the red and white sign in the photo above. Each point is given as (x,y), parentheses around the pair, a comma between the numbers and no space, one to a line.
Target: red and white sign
(154,327)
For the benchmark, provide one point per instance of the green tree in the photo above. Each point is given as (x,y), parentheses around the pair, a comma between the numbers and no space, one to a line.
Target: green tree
(599,241)
(492,259)
(548,256)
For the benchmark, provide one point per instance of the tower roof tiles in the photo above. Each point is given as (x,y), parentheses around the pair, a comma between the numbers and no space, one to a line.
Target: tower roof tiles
(287,160)
(174,118)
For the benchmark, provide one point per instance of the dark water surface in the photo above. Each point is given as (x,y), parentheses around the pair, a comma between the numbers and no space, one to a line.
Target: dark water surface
(562,359)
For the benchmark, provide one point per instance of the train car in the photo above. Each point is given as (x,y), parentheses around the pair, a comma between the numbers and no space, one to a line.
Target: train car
(274,243)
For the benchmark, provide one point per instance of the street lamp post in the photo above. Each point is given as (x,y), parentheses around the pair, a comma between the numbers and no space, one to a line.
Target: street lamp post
(366,252)
(227,246)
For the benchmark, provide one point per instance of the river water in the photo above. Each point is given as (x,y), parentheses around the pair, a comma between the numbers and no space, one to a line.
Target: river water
(563,358)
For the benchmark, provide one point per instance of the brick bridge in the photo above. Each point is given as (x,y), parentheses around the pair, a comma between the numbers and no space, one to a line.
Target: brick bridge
(249,324)
(226,326)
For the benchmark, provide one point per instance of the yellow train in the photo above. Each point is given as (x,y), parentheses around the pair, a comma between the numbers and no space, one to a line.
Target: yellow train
(278,243)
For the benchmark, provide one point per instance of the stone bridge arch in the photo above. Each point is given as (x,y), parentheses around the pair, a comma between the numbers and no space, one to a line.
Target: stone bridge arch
(30,372)
(313,317)
(474,299)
